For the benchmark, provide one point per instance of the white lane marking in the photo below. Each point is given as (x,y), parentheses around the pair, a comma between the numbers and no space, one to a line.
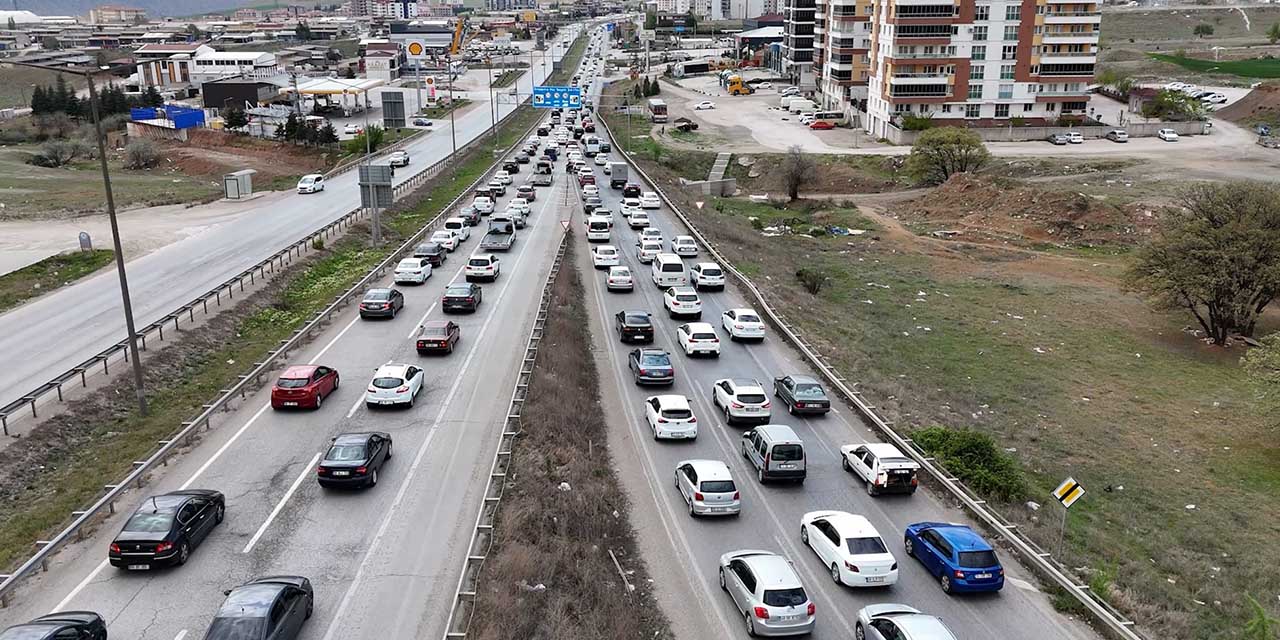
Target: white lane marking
(226,445)
(306,471)
(181,634)
(422,450)
(334,340)
(80,587)
(421,321)
(356,405)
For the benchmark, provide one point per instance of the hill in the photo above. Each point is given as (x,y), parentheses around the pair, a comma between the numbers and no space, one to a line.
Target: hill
(155,8)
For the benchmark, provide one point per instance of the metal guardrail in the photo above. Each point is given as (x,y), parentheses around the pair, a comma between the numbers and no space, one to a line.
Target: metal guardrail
(1039,559)
(254,377)
(119,351)
(463,607)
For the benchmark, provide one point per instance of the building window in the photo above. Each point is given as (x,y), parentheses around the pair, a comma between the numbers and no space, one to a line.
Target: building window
(982,12)
(980,33)
(1002,111)
(946,108)
(972,110)
(1009,52)
(1006,91)
(1026,108)
(1006,71)
(1013,12)
(977,72)
(1051,106)
(978,53)
(1011,32)
(975,92)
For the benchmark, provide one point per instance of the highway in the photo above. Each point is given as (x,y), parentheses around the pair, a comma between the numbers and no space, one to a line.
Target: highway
(165,279)
(682,552)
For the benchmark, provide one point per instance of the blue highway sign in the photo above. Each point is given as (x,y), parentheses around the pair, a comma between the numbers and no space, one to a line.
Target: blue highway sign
(557,97)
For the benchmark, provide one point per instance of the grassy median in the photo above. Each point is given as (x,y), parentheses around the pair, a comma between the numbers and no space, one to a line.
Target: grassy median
(550,573)
(50,274)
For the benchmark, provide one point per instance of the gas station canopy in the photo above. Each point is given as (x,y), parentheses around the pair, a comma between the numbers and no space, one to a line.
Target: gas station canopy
(335,86)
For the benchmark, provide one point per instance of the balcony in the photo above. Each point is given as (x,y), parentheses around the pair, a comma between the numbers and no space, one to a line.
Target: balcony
(1073,17)
(920,77)
(920,91)
(846,29)
(910,32)
(1068,58)
(1067,37)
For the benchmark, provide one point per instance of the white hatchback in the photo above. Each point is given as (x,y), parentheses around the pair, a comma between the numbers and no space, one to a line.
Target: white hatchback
(394,384)
(413,270)
(670,418)
(698,338)
(708,488)
(742,324)
(311,183)
(605,255)
(682,301)
(850,547)
(684,246)
(650,200)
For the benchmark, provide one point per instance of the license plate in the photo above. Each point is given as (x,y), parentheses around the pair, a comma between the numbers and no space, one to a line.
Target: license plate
(752,409)
(677,435)
(139,567)
(341,473)
(718,509)
(788,466)
(788,618)
(875,578)
(982,576)
(290,404)
(386,401)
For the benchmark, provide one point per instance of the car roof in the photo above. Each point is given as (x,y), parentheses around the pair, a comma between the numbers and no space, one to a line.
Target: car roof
(620,267)
(672,401)
(382,291)
(701,326)
(801,378)
(961,537)
(884,450)
(704,265)
(252,600)
(680,290)
(773,571)
(778,432)
(487,256)
(743,310)
(299,371)
(922,626)
(745,382)
(708,469)
(851,524)
(677,238)
(651,351)
(392,370)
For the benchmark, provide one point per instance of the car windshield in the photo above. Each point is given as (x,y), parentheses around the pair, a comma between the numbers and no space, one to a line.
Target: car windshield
(978,559)
(291,383)
(307,180)
(865,546)
(479,262)
(236,629)
(718,486)
(387,382)
(788,452)
(345,453)
(809,390)
(785,597)
(743,317)
(148,520)
(378,296)
(751,398)
(655,360)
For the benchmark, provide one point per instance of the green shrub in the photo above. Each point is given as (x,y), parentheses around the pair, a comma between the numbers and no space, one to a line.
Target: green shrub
(757,224)
(812,279)
(975,459)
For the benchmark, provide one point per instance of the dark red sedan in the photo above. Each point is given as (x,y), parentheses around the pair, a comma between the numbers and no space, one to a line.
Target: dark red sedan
(822,125)
(632,190)
(438,336)
(303,385)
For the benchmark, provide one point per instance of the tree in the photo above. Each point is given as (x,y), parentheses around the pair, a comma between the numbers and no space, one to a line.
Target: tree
(141,153)
(1202,30)
(40,101)
(152,98)
(236,119)
(1260,626)
(374,134)
(291,127)
(50,43)
(13,24)
(61,93)
(1273,32)
(1173,105)
(194,33)
(1217,257)
(657,89)
(328,135)
(797,170)
(639,93)
(349,73)
(302,31)
(942,152)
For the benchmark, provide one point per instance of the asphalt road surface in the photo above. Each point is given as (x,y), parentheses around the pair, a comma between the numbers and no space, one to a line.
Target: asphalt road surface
(87,317)
(384,558)
(683,552)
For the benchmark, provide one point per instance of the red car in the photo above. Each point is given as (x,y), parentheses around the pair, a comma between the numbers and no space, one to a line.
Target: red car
(303,385)
(437,336)
(632,190)
(586,180)
(823,126)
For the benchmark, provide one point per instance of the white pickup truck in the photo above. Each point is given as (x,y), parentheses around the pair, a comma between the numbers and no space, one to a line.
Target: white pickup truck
(881,466)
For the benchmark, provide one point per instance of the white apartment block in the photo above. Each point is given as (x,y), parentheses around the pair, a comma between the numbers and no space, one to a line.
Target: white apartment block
(393,9)
(674,6)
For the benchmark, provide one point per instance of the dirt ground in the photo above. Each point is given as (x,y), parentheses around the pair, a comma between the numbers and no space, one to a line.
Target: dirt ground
(213,154)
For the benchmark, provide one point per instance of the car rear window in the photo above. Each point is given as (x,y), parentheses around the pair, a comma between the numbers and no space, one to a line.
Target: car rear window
(291,383)
(978,559)
(236,628)
(599,225)
(687,297)
(706,336)
(788,452)
(865,546)
(785,597)
(651,246)
(747,317)
(387,382)
(809,391)
(345,453)
(655,361)
(149,521)
(378,296)
(677,414)
(636,319)
(718,486)
(751,398)
(479,262)
(895,461)
(435,331)
(672,267)
(458,291)
(716,272)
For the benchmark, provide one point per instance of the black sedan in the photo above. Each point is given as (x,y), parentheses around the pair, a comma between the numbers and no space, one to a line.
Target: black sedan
(165,528)
(272,607)
(381,303)
(353,460)
(801,394)
(63,625)
(634,326)
(651,366)
(461,297)
(433,252)
(471,214)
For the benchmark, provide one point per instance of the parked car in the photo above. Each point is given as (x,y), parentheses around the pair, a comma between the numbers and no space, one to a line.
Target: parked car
(421,122)
(394,384)
(303,385)
(767,593)
(436,336)
(619,279)
(741,400)
(704,105)
(850,547)
(956,555)
(354,460)
(1168,135)
(311,183)
(698,337)
(461,296)
(821,125)
(742,324)
(707,487)
(266,608)
(651,366)
(351,129)
(670,418)
(75,625)
(1118,135)
(801,394)
(882,467)
(899,622)
(1058,138)
(381,303)
(165,528)
(633,326)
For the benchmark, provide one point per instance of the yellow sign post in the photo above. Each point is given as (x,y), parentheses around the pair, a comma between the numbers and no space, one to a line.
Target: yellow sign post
(1067,493)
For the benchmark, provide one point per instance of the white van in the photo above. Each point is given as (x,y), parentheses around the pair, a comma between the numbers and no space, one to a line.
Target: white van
(668,271)
(785,101)
(460,227)
(802,106)
(598,228)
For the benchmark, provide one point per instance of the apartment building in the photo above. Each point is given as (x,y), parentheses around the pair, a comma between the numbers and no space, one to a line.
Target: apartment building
(394,9)
(982,63)
(799,23)
(115,14)
(841,57)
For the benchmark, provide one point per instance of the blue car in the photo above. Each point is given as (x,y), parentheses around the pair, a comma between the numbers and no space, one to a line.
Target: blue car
(956,555)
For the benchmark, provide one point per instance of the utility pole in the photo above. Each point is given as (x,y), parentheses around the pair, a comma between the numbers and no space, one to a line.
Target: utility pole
(368,160)
(453,123)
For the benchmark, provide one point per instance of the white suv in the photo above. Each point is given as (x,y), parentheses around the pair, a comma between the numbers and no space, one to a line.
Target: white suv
(394,384)
(706,275)
(482,266)
(670,417)
(742,400)
(698,337)
(682,301)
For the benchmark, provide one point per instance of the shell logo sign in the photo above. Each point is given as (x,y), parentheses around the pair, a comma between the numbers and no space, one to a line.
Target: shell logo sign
(415,48)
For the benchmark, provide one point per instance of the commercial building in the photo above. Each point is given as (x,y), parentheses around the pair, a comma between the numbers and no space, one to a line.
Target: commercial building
(116,14)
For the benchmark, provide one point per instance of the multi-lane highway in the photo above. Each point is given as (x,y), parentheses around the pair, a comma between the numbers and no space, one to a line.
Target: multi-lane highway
(683,552)
(87,317)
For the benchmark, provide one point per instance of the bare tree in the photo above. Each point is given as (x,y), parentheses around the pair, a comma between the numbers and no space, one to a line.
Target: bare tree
(797,170)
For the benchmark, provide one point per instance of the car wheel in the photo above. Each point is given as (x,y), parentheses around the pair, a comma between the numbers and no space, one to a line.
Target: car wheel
(697,316)
(871,489)
(184,552)
(219,514)
(319,400)
(722,585)
(389,451)
(413,399)
(311,604)
(909,546)
(791,409)
(373,478)
(760,475)
(945,582)
(336,381)
(844,463)
(859,633)
(804,535)
(692,512)
(751,624)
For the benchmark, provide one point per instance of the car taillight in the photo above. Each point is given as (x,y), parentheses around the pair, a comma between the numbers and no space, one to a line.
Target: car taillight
(644,372)
(692,419)
(766,404)
(362,470)
(697,495)
(321,471)
(422,343)
(738,326)
(115,548)
(736,405)
(163,547)
(470,299)
(812,608)
(1000,572)
(403,389)
(880,479)
(737,495)
(762,613)
(959,574)
(851,566)
(662,420)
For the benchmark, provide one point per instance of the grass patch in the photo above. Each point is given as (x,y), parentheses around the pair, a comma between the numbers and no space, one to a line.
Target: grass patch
(557,538)
(441,110)
(15,90)
(1258,68)
(50,274)
(570,62)
(507,78)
